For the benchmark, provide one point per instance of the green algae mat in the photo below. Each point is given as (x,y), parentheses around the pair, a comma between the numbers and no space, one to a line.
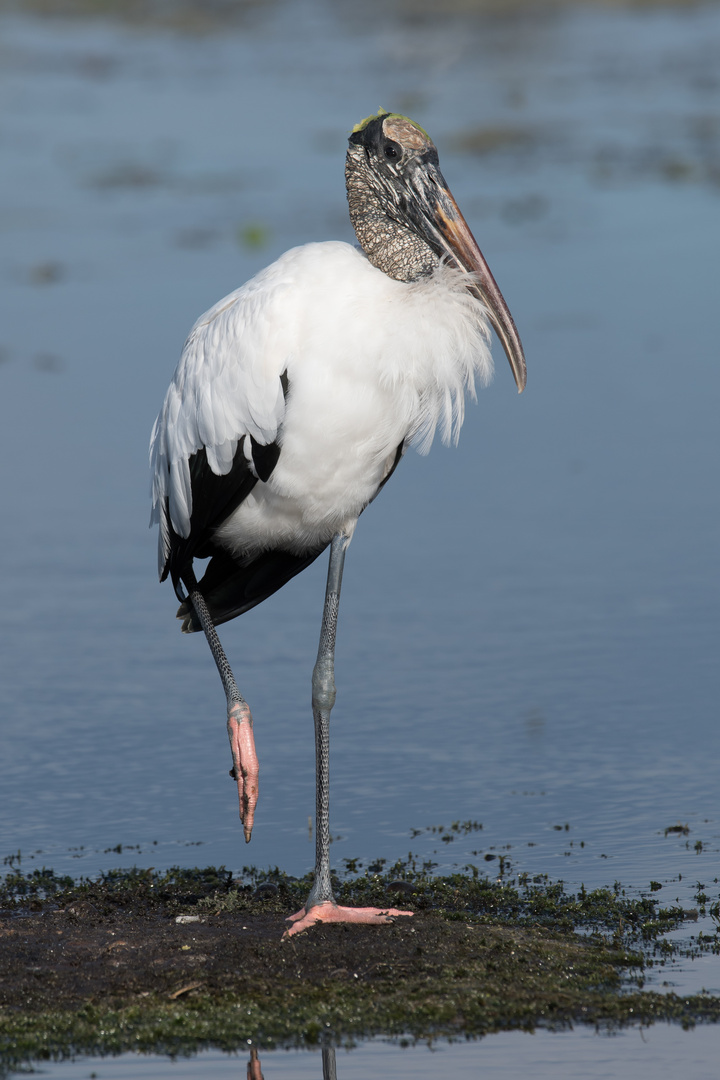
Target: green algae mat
(178,961)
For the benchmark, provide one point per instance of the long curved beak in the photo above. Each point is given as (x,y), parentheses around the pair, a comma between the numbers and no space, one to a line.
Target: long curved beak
(444,227)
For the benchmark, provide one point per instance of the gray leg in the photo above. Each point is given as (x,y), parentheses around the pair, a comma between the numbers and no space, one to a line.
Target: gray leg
(239,721)
(323,699)
(232,693)
(321,905)
(328,1063)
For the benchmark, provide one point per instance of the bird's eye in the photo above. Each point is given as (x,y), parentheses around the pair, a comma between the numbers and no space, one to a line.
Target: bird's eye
(390,152)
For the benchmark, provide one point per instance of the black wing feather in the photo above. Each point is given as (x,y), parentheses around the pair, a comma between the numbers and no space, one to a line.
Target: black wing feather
(231,588)
(214,498)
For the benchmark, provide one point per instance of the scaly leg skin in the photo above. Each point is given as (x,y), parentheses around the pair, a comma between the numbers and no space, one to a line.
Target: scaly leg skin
(246,767)
(239,722)
(321,905)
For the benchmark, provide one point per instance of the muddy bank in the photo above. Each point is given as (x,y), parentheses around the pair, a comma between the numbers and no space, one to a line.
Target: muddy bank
(193,958)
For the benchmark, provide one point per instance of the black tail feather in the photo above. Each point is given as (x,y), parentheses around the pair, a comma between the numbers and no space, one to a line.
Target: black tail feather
(231,588)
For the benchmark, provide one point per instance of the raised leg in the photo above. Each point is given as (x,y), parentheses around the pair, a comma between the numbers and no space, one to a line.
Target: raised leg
(321,905)
(239,720)
(254,1070)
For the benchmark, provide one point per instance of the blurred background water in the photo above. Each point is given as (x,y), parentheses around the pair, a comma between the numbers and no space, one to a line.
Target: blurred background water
(547,592)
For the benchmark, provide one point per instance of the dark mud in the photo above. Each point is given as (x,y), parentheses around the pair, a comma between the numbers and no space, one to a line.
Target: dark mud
(192,958)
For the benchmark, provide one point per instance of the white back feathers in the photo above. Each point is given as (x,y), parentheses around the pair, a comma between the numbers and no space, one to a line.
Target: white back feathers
(371,363)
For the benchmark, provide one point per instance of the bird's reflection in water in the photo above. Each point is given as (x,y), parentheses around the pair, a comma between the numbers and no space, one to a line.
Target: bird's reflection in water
(329,1070)
(328,1064)
(254,1071)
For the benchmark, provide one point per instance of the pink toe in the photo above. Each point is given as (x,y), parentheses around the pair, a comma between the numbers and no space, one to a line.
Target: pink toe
(334,913)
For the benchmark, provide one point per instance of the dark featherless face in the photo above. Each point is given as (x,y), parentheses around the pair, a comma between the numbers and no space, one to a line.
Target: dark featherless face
(395,150)
(399,164)
(407,220)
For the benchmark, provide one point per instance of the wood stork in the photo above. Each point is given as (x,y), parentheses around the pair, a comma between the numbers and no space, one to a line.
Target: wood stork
(293,402)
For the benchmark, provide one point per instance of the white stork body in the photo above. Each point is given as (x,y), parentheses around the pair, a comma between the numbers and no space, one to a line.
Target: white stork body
(371,364)
(293,402)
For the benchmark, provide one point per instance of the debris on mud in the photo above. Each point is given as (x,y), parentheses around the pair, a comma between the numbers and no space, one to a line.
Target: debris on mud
(176,961)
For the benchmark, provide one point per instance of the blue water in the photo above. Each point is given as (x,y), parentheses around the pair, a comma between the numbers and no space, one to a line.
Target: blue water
(545,595)
(581,1054)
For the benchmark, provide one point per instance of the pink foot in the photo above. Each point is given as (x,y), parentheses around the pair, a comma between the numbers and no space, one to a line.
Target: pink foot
(254,1072)
(329,913)
(245,763)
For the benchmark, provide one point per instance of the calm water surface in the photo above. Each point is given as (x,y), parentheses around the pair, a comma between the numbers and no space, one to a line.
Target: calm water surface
(547,592)
(645,1054)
